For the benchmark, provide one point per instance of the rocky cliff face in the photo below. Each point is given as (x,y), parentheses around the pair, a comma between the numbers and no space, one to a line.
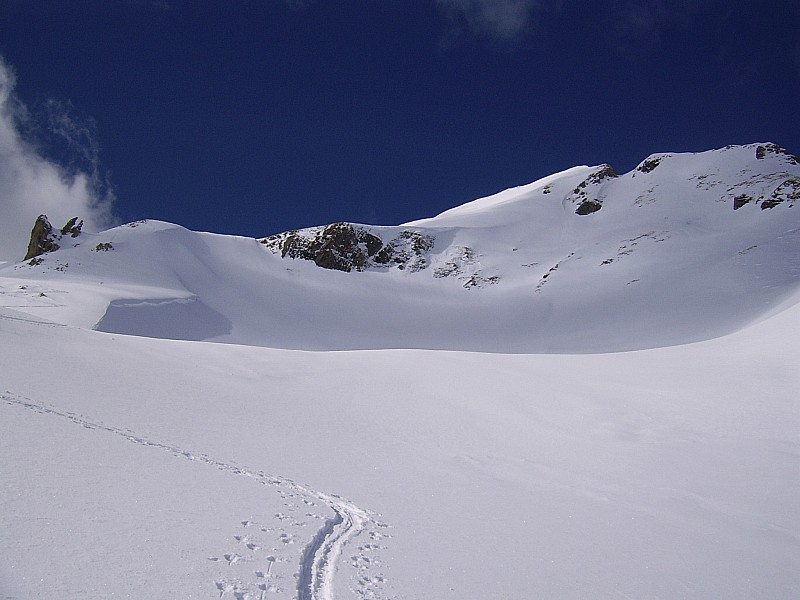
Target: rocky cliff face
(45,238)
(349,247)
(42,238)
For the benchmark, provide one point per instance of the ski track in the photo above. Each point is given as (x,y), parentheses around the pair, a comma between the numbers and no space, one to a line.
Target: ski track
(321,556)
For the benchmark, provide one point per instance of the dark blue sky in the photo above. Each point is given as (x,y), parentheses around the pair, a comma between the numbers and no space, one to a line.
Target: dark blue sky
(255,116)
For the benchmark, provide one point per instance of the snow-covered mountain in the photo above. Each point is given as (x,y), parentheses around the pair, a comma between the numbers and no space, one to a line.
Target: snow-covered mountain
(140,460)
(685,247)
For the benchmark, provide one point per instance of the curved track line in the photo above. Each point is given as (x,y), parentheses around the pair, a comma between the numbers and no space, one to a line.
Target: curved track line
(318,566)
(320,556)
(314,559)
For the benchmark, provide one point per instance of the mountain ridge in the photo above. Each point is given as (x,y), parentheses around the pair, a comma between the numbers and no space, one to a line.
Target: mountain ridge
(210,465)
(670,244)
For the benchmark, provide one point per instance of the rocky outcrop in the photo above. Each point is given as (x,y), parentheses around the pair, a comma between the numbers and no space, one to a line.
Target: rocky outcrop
(72,227)
(587,207)
(339,246)
(770,181)
(44,238)
(408,251)
(587,193)
(348,247)
(788,192)
(740,200)
(649,165)
(765,150)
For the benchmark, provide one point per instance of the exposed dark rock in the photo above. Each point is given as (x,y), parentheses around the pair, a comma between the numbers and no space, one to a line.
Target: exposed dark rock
(461,257)
(103,247)
(43,238)
(740,200)
(406,251)
(446,270)
(384,257)
(589,203)
(73,227)
(476,280)
(339,246)
(347,247)
(788,191)
(764,150)
(552,270)
(648,165)
(605,172)
(587,207)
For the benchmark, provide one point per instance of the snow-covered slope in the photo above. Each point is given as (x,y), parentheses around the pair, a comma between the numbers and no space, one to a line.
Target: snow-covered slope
(663,258)
(175,468)
(149,468)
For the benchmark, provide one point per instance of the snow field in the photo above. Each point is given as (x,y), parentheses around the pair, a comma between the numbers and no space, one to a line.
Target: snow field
(558,406)
(647,474)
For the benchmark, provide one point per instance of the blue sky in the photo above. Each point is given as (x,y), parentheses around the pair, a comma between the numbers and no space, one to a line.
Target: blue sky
(251,117)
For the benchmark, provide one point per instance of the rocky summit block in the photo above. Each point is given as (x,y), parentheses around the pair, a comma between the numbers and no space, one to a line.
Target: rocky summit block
(45,238)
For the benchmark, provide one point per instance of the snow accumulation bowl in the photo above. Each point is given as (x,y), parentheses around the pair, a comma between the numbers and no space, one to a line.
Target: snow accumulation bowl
(176,468)
(683,248)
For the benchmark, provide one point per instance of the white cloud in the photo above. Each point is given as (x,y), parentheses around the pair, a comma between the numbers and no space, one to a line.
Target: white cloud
(31,184)
(499,19)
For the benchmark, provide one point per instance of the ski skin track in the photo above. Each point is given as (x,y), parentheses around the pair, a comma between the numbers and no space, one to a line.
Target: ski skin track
(312,566)
(320,556)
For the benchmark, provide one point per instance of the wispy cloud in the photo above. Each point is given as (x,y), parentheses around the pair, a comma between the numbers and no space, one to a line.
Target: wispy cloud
(503,20)
(48,165)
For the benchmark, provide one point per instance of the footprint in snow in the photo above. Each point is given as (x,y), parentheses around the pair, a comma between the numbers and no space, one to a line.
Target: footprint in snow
(224,586)
(368,547)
